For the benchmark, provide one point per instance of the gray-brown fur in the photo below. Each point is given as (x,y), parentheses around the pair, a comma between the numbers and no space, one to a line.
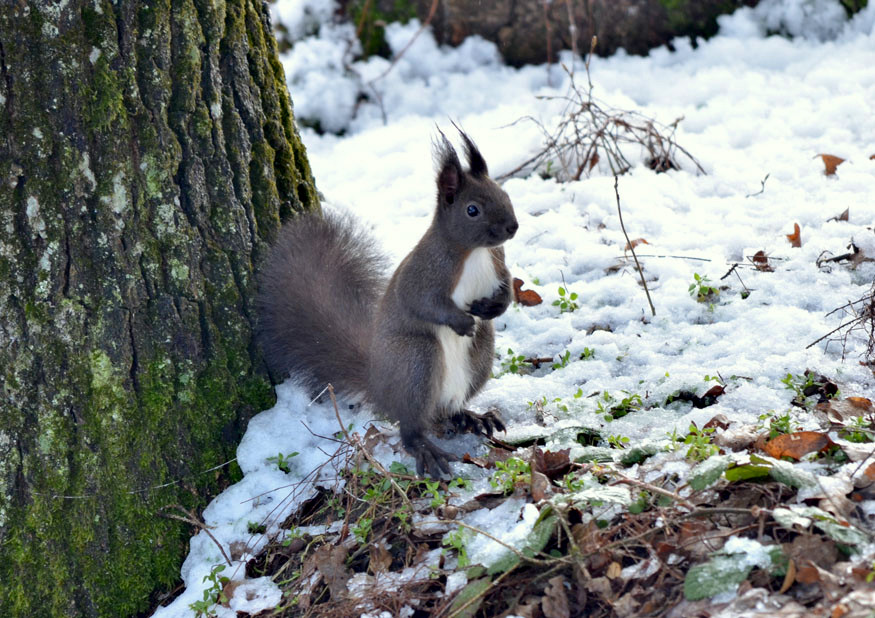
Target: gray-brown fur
(318,292)
(325,317)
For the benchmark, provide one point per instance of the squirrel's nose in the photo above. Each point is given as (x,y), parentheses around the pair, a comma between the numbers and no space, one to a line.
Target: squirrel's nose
(511,228)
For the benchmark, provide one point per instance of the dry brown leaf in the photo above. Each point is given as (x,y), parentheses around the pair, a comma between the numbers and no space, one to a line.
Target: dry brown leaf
(865,405)
(228,591)
(588,536)
(331,562)
(807,575)
(614,570)
(593,160)
(796,445)
(843,216)
(554,604)
(634,243)
(526,298)
(870,472)
(555,464)
(540,487)
(380,558)
(796,237)
(761,262)
(789,578)
(717,422)
(831,162)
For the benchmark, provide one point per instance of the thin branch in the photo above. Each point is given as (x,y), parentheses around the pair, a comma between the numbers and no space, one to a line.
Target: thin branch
(191,519)
(631,248)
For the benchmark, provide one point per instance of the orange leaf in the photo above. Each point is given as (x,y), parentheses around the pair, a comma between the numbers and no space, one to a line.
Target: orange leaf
(796,237)
(831,162)
(634,243)
(870,472)
(796,445)
(527,298)
(807,575)
(861,402)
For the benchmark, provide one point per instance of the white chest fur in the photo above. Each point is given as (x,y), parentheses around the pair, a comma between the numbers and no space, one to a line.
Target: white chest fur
(478,280)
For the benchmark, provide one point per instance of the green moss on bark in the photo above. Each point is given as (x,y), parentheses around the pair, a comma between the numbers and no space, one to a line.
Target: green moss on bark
(132,212)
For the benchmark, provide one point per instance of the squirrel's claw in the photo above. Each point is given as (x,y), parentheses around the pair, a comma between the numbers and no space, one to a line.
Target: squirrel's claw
(480,424)
(433,461)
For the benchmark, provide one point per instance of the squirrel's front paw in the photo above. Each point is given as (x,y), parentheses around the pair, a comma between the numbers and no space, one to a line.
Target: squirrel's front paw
(463,325)
(487,308)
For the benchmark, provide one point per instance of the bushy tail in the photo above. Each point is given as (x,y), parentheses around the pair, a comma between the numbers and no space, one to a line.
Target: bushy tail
(318,294)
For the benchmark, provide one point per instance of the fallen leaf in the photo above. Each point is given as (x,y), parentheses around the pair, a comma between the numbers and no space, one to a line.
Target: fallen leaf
(841,217)
(555,601)
(789,578)
(228,591)
(796,445)
(331,562)
(526,298)
(540,486)
(865,405)
(761,262)
(380,558)
(614,570)
(588,536)
(807,575)
(831,162)
(554,464)
(718,422)
(870,472)
(796,237)
(634,243)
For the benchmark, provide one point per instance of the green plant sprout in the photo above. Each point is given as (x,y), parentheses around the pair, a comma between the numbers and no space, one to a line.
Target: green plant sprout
(513,363)
(701,288)
(610,408)
(563,360)
(213,594)
(566,301)
(282,461)
(508,473)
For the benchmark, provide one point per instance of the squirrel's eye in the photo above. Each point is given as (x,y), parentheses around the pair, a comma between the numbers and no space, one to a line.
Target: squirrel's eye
(473,211)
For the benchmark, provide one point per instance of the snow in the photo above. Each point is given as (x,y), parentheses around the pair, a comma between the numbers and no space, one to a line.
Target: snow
(752,105)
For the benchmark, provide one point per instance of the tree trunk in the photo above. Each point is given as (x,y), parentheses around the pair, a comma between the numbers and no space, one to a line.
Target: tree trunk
(147,151)
(534,31)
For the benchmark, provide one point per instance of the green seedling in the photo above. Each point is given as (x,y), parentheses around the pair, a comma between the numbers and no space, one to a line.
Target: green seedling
(566,301)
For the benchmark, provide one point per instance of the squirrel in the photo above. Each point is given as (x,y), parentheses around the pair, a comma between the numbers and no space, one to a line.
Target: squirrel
(417,347)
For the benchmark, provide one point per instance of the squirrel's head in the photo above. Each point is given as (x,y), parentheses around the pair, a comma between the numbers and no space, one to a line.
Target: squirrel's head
(472,210)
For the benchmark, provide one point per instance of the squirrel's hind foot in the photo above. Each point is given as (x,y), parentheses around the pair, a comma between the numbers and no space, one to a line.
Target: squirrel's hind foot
(431,460)
(479,424)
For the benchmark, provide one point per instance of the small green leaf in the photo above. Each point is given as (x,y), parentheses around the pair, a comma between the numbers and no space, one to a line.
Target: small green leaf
(746,471)
(472,590)
(720,574)
(707,472)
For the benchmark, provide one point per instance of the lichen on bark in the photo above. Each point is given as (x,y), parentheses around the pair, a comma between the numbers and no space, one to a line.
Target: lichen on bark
(147,153)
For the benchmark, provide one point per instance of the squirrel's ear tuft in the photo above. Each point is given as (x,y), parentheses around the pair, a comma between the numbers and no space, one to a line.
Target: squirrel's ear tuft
(475,160)
(449,169)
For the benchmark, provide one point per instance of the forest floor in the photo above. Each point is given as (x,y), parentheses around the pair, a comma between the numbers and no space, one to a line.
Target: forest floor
(706,455)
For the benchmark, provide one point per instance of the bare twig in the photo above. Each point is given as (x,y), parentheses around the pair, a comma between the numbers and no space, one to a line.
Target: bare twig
(194,521)
(589,133)
(762,188)
(631,248)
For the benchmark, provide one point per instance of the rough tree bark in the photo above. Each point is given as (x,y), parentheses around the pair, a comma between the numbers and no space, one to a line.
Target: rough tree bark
(147,151)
